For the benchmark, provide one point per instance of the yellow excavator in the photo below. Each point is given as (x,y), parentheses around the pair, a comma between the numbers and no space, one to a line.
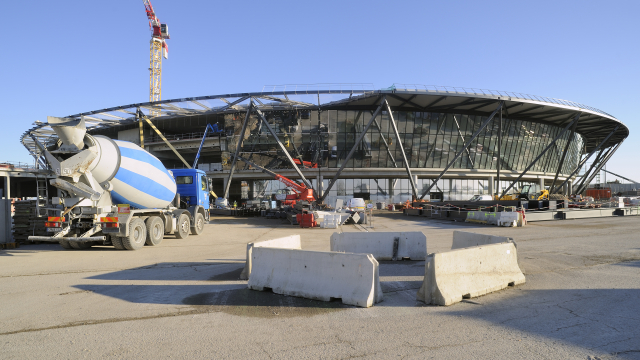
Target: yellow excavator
(528,192)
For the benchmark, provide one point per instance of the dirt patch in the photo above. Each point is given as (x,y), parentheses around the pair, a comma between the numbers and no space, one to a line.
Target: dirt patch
(251,303)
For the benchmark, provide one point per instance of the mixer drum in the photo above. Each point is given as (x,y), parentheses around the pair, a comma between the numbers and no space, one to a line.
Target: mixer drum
(138,178)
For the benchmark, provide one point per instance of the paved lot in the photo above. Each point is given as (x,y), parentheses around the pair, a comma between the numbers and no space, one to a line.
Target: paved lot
(183,299)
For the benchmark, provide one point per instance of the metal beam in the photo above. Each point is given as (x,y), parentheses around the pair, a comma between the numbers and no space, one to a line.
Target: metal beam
(466,146)
(433,147)
(564,153)
(285,101)
(201,104)
(537,158)
(498,164)
(353,149)
(143,116)
(588,172)
(375,122)
(591,153)
(462,137)
(405,101)
(233,103)
(408,100)
(404,155)
(602,163)
(238,148)
(284,150)
(620,176)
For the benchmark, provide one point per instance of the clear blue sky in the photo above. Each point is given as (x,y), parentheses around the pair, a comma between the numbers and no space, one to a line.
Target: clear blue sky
(63,57)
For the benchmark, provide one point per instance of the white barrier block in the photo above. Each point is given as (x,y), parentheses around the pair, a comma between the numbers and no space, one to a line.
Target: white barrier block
(317,275)
(470,272)
(287,242)
(508,219)
(464,239)
(412,245)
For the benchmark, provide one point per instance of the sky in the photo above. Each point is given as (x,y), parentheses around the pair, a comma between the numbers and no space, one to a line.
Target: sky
(64,57)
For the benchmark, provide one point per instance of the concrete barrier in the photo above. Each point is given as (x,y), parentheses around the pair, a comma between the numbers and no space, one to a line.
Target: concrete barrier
(383,245)
(319,275)
(470,272)
(503,218)
(464,239)
(288,242)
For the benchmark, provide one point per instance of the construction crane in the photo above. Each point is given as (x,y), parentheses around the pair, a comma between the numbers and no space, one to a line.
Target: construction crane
(300,191)
(158,50)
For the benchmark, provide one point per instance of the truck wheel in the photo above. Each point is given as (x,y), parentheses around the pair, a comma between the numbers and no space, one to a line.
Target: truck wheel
(198,225)
(117,242)
(184,225)
(137,235)
(65,244)
(80,245)
(155,230)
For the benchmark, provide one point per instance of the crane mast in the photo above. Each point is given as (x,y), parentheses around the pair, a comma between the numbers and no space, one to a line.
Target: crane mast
(158,49)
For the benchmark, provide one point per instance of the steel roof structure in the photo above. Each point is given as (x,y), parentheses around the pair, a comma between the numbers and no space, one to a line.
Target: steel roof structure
(593,125)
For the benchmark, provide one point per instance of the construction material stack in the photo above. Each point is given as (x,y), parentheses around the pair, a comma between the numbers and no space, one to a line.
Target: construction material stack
(26,222)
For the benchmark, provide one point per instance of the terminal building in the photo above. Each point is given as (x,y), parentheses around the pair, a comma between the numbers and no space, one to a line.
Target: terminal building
(394,144)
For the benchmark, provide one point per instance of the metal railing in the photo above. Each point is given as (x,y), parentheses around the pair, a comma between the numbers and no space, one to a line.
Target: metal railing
(487,92)
(13,165)
(154,138)
(302,89)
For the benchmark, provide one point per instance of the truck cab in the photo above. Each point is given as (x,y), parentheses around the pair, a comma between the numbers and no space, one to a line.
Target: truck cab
(193,187)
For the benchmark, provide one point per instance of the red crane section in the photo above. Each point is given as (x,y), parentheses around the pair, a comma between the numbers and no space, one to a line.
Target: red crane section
(302,192)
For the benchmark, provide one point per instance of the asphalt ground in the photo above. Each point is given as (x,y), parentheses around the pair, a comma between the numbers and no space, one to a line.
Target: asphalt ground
(182,299)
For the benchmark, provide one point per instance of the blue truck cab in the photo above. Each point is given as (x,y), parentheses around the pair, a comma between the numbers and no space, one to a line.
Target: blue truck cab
(193,187)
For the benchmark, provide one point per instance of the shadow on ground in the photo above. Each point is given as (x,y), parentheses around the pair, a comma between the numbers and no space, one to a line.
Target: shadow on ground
(601,320)
(178,271)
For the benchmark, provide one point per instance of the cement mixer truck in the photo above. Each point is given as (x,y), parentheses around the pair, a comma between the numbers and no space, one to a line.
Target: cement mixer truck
(115,193)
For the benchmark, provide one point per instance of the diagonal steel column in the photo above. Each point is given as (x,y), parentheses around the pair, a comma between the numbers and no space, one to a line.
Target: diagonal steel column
(284,150)
(386,145)
(497,185)
(612,151)
(588,172)
(538,158)
(238,148)
(466,146)
(564,153)
(591,153)
(404,155)
(353,149)
(462,137)
(433,147)
(601,155)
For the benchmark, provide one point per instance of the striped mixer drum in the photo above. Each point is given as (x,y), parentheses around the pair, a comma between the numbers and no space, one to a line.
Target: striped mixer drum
(138,178)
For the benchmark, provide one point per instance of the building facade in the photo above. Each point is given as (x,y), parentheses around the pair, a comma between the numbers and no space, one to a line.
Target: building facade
(384,145)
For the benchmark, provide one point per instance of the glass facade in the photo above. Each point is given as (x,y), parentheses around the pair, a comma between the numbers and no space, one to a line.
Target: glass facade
(430,140)
(380,190)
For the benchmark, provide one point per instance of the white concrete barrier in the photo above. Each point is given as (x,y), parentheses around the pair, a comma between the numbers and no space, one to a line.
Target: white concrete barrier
(319,275)
(287,242)
(470,272)
(503,218)
(464,239)
(383,245)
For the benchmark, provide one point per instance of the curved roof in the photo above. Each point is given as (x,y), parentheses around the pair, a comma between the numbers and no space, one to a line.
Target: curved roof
(594,124)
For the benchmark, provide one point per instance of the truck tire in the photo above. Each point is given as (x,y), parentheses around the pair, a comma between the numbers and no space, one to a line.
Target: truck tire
(183,226)
(198,225)
(117,242)
(137,235)
(65,244)
(80,245)
(155,230)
